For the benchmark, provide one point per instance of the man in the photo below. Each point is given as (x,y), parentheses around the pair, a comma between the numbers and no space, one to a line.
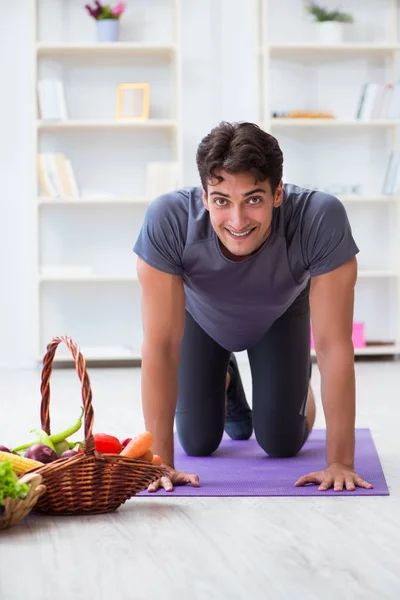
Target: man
(236,265)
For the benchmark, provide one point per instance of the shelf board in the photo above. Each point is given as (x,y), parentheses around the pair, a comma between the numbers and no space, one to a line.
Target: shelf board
(377,273)
(68,274)
(126,200)
(82,201)
(377,198)
(111,124)
(113,355)
(69,49)
(96,354)
(382,350)
(85,278)
(286,122)
(306,48)
(93,356)
(95,278)
(378,350)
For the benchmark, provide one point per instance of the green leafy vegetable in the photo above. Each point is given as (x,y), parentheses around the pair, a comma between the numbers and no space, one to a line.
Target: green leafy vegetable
(10,487)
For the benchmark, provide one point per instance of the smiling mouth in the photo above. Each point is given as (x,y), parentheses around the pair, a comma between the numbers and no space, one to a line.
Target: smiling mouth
(240,235)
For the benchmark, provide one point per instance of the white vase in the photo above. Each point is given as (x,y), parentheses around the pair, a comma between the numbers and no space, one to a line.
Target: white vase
(330,32)
(107,30)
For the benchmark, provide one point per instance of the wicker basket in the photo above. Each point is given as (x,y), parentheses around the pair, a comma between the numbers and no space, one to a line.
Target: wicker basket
(16,509)
(88,483)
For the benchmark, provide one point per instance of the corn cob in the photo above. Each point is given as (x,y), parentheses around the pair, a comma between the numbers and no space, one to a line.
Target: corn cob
(19,464)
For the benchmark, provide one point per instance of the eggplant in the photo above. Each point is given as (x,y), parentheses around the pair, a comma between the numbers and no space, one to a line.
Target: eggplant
(4,449)
(41,453)
(68,454)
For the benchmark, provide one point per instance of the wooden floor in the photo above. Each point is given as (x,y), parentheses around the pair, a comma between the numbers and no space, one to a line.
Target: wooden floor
(205,548)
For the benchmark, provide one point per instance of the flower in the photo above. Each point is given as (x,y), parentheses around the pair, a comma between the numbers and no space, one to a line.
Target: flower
(105,11)
(118,9)
(94,12)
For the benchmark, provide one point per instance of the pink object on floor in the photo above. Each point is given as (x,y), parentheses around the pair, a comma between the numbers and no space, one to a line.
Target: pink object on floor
(358,336)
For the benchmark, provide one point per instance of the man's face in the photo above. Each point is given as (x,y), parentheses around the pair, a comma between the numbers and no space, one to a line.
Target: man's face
(241,212)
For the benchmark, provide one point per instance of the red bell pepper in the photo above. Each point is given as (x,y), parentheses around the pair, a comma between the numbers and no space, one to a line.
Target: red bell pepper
(107,444)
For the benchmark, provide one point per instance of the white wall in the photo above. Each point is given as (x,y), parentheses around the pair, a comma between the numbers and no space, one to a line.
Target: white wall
(219,74)
(17,239)
(219,79)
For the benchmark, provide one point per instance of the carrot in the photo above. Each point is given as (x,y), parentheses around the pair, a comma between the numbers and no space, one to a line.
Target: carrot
(147,456)
(138,445)
(156,460)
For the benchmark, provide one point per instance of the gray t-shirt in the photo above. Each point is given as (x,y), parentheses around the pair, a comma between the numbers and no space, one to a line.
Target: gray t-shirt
(237,302)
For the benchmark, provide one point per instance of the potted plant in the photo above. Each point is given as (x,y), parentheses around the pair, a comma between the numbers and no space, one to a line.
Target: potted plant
(329,22)
(107,20)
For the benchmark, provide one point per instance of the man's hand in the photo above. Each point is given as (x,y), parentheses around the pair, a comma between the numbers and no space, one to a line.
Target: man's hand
(336,476)
(173,478)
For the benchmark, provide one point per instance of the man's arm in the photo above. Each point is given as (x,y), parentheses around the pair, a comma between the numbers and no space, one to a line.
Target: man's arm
(332,304)
(163,311)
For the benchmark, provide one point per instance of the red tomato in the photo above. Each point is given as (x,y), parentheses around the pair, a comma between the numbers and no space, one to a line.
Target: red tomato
(124,443)
(107,444)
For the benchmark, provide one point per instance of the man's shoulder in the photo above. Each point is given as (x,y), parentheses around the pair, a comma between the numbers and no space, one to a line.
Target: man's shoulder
(305,203)
(296,196)
(177,201)
(181,211)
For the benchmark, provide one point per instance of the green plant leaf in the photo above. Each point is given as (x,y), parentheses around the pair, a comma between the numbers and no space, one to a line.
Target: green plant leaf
(322,14)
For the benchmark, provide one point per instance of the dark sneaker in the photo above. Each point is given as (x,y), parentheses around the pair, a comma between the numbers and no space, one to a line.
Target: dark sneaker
(238,419)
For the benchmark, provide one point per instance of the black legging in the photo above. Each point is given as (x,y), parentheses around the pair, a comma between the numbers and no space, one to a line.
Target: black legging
(280,367)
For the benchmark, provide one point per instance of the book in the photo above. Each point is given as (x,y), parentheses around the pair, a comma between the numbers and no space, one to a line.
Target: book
(393,110)
(379,101)
(391,182)
(56,175)
(370,94)
(52,102)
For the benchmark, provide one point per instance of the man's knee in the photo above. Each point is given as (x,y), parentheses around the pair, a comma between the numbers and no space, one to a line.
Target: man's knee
(195,445)
(287,451)
(282,446)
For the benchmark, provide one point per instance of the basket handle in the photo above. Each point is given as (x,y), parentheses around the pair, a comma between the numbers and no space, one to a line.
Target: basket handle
(80,364)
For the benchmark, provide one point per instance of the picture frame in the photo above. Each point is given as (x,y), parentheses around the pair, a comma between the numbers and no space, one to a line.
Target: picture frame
(133,102)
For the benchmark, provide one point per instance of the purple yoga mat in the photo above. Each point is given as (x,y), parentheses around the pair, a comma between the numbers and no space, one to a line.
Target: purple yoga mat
(241,468)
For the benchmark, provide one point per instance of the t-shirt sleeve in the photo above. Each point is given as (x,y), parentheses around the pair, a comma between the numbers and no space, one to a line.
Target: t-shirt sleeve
(161,239)
(326,237)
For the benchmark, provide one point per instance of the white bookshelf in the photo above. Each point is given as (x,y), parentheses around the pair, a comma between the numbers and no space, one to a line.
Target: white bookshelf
(378,274)
(367,49)
(375,199)
(315,122)
(61,276)
(43,49)
(373,350)
(108,278)
(87,285)
(44,200)
(98,354)
(169,124)
(297,73)
(82,201)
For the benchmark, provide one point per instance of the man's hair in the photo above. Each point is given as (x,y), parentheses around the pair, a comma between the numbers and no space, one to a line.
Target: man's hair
(240,148)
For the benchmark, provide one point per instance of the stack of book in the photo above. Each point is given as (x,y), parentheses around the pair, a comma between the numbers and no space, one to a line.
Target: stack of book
(56,175)
(379,101)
